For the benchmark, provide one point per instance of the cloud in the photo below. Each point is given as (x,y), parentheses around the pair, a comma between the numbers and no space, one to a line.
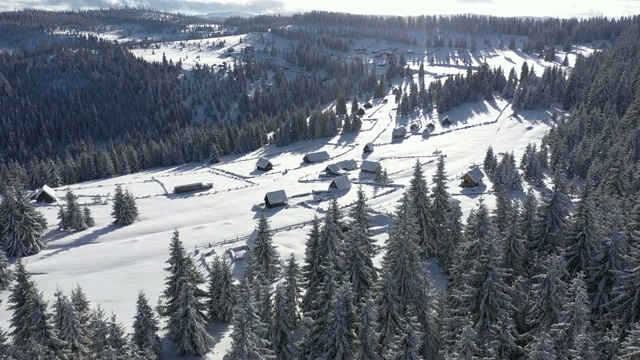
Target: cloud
(187,6)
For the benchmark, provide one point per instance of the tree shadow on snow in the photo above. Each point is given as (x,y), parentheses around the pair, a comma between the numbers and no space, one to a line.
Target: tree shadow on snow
(88,237)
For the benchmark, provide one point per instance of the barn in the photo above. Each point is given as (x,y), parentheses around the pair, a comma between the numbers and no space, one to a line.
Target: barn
(192,187)
(446,121)
(368,148)
(341,183)
(370,167)
(333,169)
(275,198)
(399,133)
(316,157)
(264,164)
(472,178)
(347,164)
(45,194)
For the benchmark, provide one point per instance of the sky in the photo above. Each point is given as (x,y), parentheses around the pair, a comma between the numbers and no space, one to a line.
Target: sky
(537,8)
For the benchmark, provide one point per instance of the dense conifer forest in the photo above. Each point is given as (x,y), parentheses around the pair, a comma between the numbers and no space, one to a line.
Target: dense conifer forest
(554,277)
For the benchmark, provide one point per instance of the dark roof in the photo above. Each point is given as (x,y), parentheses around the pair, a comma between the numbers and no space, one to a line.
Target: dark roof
(399,132)
(341,183)
(369,166)
(347,164)
(475,174)
(317,156)
(333,169)
(367,105)
(368,147)
(276,197)
(263,163)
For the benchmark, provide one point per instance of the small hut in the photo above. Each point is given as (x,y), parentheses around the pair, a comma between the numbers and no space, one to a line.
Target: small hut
(192,187)
(316,157)
(431,126)
(472,178)
(415,127)
(368,148)
(360,112)
(347,165)
(370,167)
(399,133)
(333,169)
(45,194)
(264,164)
(341,183)
(275,198)
(446,121)
(367,105)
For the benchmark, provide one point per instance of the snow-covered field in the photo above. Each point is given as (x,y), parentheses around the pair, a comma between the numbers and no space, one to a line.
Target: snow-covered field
(114,263)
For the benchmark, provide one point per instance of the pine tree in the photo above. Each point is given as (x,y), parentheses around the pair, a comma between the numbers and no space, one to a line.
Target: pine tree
(407,345)
(583,348)
(88,219)
(339,336)
(359,250)
(281,327)
(117,341)
(245,339)
(584,237)
(549,230)
(490,162)
(341,106)
(454,236)
(145,328)
(6,275)
(389,317)
(574,318)
(514,253)
(466,347)
(421,209)
(266,259)
(191,337)
(549,291)
(527,219)
(541,348)
(368,346)
(125,210)
(69,329)
(221,295)
(630,347)
(98,331)
(75,219)
(312,270)
(181,270)
(429,339)
(63,224)
(292,292)
(439,209)
(23,225)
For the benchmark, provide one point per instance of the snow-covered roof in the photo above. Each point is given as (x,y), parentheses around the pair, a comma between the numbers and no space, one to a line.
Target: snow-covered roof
(47,190)
(349,164)
(369,166)
(262,163)
(317,156)
(475,174)
(369,146)
(333,169)
(341,183)
(400,131)
(276,197)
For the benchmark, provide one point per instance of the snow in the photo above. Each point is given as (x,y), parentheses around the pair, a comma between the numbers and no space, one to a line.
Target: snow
(114,263)
(47,190)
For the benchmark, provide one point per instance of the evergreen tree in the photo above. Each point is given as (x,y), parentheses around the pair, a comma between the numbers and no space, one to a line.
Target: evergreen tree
(245,339)
(514,253)
(145,328)
(407,345)
(88,219)
(421,208)
(583,348)
(181,270)
(341,106)
(574,318)
(69,329)
(98,332)
(549,289)
(6,275)
(528,218)
(282,327)
(221,295)
(340,334)
(75,219)
(541,348)
(125,210)
(266,259)
(584,237)
(630,347)
(490,162)
(368,346)
(389,317)
(466,347)
(312,270)
(454,236)
(63,224)
(549,230)
(22,225)
(117,340)
(190,336)
(439,209)
(359,250)
(292,291)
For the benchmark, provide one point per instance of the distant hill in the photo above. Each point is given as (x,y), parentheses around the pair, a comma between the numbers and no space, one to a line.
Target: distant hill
(221,15)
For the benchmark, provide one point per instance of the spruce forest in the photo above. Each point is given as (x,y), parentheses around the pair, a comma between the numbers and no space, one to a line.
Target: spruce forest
(503,222)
